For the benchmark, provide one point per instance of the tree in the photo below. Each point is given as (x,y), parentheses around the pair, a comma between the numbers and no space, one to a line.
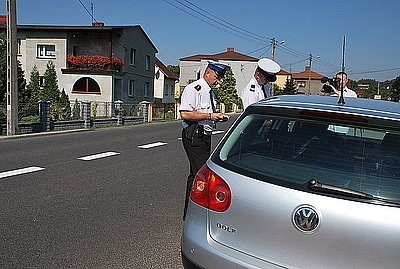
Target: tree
(226,92)
(23,94)
(50,90)
(60,105)
(3,70)
(34,85)
(174,69)
(395,90)
(290,87)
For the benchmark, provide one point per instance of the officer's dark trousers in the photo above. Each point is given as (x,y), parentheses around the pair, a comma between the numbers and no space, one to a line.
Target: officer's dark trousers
(197,150)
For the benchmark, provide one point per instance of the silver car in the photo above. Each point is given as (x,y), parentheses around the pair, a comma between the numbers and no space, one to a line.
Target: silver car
(300,182)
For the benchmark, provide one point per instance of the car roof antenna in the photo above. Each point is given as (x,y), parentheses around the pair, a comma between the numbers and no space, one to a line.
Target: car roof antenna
(341,98)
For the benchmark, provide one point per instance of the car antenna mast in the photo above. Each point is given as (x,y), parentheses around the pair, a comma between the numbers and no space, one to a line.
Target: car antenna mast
(341,98)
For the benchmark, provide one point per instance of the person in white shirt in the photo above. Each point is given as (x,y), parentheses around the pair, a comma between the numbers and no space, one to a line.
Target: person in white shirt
(342,81)
(199,114)
(258,87)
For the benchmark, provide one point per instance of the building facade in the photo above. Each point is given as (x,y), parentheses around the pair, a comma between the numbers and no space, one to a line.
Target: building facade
(164,83)
(95,63)
(243,67)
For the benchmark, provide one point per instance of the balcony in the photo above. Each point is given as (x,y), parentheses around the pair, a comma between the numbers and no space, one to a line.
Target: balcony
(95,64)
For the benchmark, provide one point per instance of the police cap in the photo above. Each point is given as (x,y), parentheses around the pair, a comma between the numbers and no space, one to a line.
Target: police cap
(219,68)
(268,68)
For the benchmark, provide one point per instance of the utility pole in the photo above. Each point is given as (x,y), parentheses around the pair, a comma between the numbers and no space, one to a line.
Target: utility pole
(273,44)
(12,81)
(309,73)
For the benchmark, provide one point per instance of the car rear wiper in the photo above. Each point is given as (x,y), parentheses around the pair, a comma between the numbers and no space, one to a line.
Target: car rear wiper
(320,187)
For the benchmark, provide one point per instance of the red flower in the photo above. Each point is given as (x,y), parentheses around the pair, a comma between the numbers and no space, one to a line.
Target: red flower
(95,62)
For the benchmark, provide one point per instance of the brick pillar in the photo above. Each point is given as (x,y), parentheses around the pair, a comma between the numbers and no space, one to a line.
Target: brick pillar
(44,114)
(147,111)
(86,113)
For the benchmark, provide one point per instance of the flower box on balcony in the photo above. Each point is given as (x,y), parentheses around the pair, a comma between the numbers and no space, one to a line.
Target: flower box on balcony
(95,62)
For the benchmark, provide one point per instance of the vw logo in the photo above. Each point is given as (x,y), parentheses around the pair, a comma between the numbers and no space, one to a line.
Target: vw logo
(306,219)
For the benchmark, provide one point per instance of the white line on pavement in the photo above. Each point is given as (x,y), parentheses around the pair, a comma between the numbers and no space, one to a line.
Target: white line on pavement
(152,145)
(217,132)
(98,156)
(20,171)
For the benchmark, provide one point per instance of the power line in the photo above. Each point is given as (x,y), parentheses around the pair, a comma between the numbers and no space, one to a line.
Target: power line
(226,22)
(216,23)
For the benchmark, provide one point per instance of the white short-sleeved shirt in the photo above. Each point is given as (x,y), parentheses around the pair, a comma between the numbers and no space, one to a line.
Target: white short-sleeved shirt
(253,92)
(196,97)
(346,93)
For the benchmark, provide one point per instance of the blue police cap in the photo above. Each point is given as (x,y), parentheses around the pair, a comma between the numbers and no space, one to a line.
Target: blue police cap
(219,68)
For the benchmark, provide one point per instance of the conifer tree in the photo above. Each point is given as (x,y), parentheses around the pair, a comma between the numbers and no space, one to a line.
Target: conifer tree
(226,92)
(290,88)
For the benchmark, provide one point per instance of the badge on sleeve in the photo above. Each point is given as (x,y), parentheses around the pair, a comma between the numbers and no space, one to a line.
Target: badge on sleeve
(252,88)
(197,87)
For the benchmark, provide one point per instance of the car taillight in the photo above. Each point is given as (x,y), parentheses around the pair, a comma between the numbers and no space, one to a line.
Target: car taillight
(210,190)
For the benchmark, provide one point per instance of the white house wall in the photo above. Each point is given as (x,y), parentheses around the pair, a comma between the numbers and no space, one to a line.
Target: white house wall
(105,84)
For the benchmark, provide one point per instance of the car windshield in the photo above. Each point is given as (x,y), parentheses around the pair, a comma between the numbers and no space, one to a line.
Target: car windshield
(291,152)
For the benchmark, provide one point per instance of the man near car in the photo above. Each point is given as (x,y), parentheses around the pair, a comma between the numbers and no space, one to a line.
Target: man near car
(342,81)
(199,115)
(258,87)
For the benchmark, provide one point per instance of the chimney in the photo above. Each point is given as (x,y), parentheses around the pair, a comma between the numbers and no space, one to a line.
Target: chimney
(307,68)
(230,49)
(98,24)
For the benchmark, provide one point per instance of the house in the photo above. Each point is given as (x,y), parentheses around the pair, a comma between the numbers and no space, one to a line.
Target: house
(164,83)
(243,67)
(96,63)
(281,78)
(308,81)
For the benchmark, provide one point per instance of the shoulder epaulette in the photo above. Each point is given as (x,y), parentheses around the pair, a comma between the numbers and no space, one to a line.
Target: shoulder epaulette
(197,87)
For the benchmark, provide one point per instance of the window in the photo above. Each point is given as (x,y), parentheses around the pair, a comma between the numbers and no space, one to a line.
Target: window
(166,90)
(172,90)
(146,89)
(132,57)
(86,85)
(46,51)
(301,84)
(131,90)
(147,63)
(270,148)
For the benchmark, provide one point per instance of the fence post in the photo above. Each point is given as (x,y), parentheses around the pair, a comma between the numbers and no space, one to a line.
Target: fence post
(118,110)
(44,114)
(86,114)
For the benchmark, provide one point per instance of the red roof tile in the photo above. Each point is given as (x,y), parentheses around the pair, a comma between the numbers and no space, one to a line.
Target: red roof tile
(307,73)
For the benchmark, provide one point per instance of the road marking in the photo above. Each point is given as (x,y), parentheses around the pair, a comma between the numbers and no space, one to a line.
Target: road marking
(20,171)
(217,132)
(152,145)
(98,156)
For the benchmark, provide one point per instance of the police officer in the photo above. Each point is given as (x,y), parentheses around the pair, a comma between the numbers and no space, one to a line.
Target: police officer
(258,87)
(199,115)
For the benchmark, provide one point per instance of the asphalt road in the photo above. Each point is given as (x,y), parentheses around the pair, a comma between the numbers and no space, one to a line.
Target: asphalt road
(63,205)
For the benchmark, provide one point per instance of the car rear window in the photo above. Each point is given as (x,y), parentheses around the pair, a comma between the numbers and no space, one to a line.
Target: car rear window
(291,152)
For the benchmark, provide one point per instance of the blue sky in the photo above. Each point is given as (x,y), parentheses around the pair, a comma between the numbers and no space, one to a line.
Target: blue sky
(181,28)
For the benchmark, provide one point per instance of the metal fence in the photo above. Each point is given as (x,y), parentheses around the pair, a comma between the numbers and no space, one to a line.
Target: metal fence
(73,115)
